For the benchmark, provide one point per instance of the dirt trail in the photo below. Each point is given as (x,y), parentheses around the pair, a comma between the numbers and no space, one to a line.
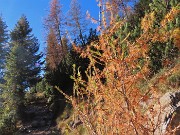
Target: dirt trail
(38,119)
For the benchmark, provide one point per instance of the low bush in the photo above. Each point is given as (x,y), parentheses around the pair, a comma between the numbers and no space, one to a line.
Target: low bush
(8,124)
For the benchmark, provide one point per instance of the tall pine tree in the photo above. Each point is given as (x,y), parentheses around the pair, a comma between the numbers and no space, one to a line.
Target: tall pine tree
(23,63)
(24,48)
(3,46)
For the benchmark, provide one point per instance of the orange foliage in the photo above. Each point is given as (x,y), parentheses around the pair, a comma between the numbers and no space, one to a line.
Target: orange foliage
(54,56)
(110,101)
(161,34)
(112,106)
(53,25)
(109,11)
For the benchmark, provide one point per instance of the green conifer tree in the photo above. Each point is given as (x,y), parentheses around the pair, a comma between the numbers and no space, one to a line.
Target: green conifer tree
(160,52)
(134,21)
(23,65)
(3,47)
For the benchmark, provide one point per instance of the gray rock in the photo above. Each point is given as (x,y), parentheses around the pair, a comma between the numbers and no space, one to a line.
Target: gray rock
(168,110)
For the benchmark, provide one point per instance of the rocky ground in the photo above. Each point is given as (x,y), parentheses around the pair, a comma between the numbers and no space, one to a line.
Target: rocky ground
(168,110)
(38,119)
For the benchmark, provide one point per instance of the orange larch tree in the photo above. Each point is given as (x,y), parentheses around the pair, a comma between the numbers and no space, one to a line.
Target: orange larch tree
(54,32)
(76,21)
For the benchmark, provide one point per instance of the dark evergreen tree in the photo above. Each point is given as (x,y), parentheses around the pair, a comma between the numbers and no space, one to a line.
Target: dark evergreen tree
(28,46)
(3,47)
(23,63)
(59,76)
(82,63)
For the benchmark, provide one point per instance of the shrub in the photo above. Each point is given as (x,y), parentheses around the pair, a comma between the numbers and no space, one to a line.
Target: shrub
(110,101)
(8,124)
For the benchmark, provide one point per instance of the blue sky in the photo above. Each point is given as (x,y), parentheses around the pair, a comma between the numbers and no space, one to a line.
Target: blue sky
(36,11)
